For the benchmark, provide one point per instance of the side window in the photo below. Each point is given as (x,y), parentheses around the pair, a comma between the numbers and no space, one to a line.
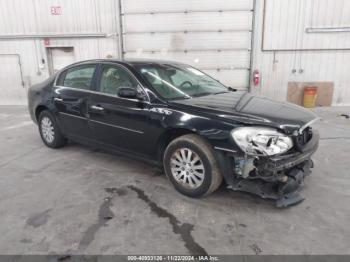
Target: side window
(113,78)
(77,77)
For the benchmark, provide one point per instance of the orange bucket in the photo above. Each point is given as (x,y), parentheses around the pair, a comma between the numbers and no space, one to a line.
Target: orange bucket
(310,95)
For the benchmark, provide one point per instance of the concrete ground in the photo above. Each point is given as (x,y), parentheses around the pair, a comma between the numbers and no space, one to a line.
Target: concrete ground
(82,201)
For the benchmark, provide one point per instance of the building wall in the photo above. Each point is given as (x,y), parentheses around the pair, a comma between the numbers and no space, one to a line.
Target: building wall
(212,35)
(27,23)
(285,52)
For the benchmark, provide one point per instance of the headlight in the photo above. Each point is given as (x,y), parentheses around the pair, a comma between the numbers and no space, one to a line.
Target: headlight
(261,140)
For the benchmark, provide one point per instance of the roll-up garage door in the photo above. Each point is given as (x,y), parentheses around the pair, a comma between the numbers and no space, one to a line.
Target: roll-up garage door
(214,36)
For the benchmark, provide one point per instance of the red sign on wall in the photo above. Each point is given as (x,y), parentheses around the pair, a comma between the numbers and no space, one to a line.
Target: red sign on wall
(46,41)
(56,10)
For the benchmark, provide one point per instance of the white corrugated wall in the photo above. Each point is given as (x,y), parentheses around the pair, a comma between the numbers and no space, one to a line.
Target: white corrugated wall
(286,51)
(30,18)
(214,36)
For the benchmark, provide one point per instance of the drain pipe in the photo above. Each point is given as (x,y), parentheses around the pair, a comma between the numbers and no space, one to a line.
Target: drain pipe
(252,49)
(120,29)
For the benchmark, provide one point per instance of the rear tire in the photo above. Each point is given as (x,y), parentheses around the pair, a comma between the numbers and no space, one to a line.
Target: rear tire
(49,131)
(190,165)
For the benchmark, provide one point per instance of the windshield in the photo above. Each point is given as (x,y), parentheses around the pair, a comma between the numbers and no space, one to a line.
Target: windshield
(180,81)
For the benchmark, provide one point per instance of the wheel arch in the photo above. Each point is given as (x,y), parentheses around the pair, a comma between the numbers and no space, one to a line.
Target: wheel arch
(168,136)
(225,163)
(38,110)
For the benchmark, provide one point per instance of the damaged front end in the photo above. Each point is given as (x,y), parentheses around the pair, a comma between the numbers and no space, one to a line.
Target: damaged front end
(269,175)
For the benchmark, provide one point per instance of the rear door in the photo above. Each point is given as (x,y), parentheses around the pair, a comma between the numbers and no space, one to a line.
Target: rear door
(71,94)
(115,121)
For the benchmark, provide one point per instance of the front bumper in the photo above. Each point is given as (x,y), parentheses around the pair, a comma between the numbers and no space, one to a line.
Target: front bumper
(278,163)
(278,177)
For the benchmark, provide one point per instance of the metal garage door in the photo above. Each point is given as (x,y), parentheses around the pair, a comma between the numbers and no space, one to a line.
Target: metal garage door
(12,89)
(214,36)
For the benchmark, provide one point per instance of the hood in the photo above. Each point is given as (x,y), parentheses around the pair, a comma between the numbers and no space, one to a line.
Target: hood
(240,106)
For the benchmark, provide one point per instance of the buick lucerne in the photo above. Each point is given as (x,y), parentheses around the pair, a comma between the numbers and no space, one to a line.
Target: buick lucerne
(199,131)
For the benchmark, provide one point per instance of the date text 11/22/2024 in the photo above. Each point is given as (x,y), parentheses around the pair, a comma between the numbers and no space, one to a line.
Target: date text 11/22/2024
(173,258)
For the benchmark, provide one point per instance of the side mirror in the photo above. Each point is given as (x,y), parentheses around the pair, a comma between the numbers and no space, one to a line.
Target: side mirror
(127,92)
(130,92)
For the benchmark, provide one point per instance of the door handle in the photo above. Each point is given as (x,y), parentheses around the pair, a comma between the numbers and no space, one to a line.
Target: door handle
(97,108)
(58,99)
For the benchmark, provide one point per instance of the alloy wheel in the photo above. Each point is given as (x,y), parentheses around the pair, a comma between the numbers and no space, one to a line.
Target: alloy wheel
(47,129)
(187,168)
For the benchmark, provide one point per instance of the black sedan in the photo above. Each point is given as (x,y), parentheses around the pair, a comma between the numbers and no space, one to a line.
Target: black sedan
(173,115)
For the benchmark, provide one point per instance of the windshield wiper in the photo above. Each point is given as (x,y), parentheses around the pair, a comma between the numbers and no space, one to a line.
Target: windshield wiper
(198,95)
(232,89)
(222,92)
(209,93)
(203,94)
(180,98)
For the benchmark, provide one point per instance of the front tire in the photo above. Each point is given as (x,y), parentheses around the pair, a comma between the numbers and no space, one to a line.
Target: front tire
(49,131)
(190,165)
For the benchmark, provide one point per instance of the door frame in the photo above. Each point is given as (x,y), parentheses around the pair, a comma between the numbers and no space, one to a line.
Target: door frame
(20,66)
(23,84)
(50,57)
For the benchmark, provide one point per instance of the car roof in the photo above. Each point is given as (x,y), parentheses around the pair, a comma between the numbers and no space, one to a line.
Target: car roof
(131,62)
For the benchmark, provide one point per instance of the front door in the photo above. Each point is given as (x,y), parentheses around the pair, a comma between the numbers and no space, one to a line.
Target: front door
(72,91)
(115,121)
